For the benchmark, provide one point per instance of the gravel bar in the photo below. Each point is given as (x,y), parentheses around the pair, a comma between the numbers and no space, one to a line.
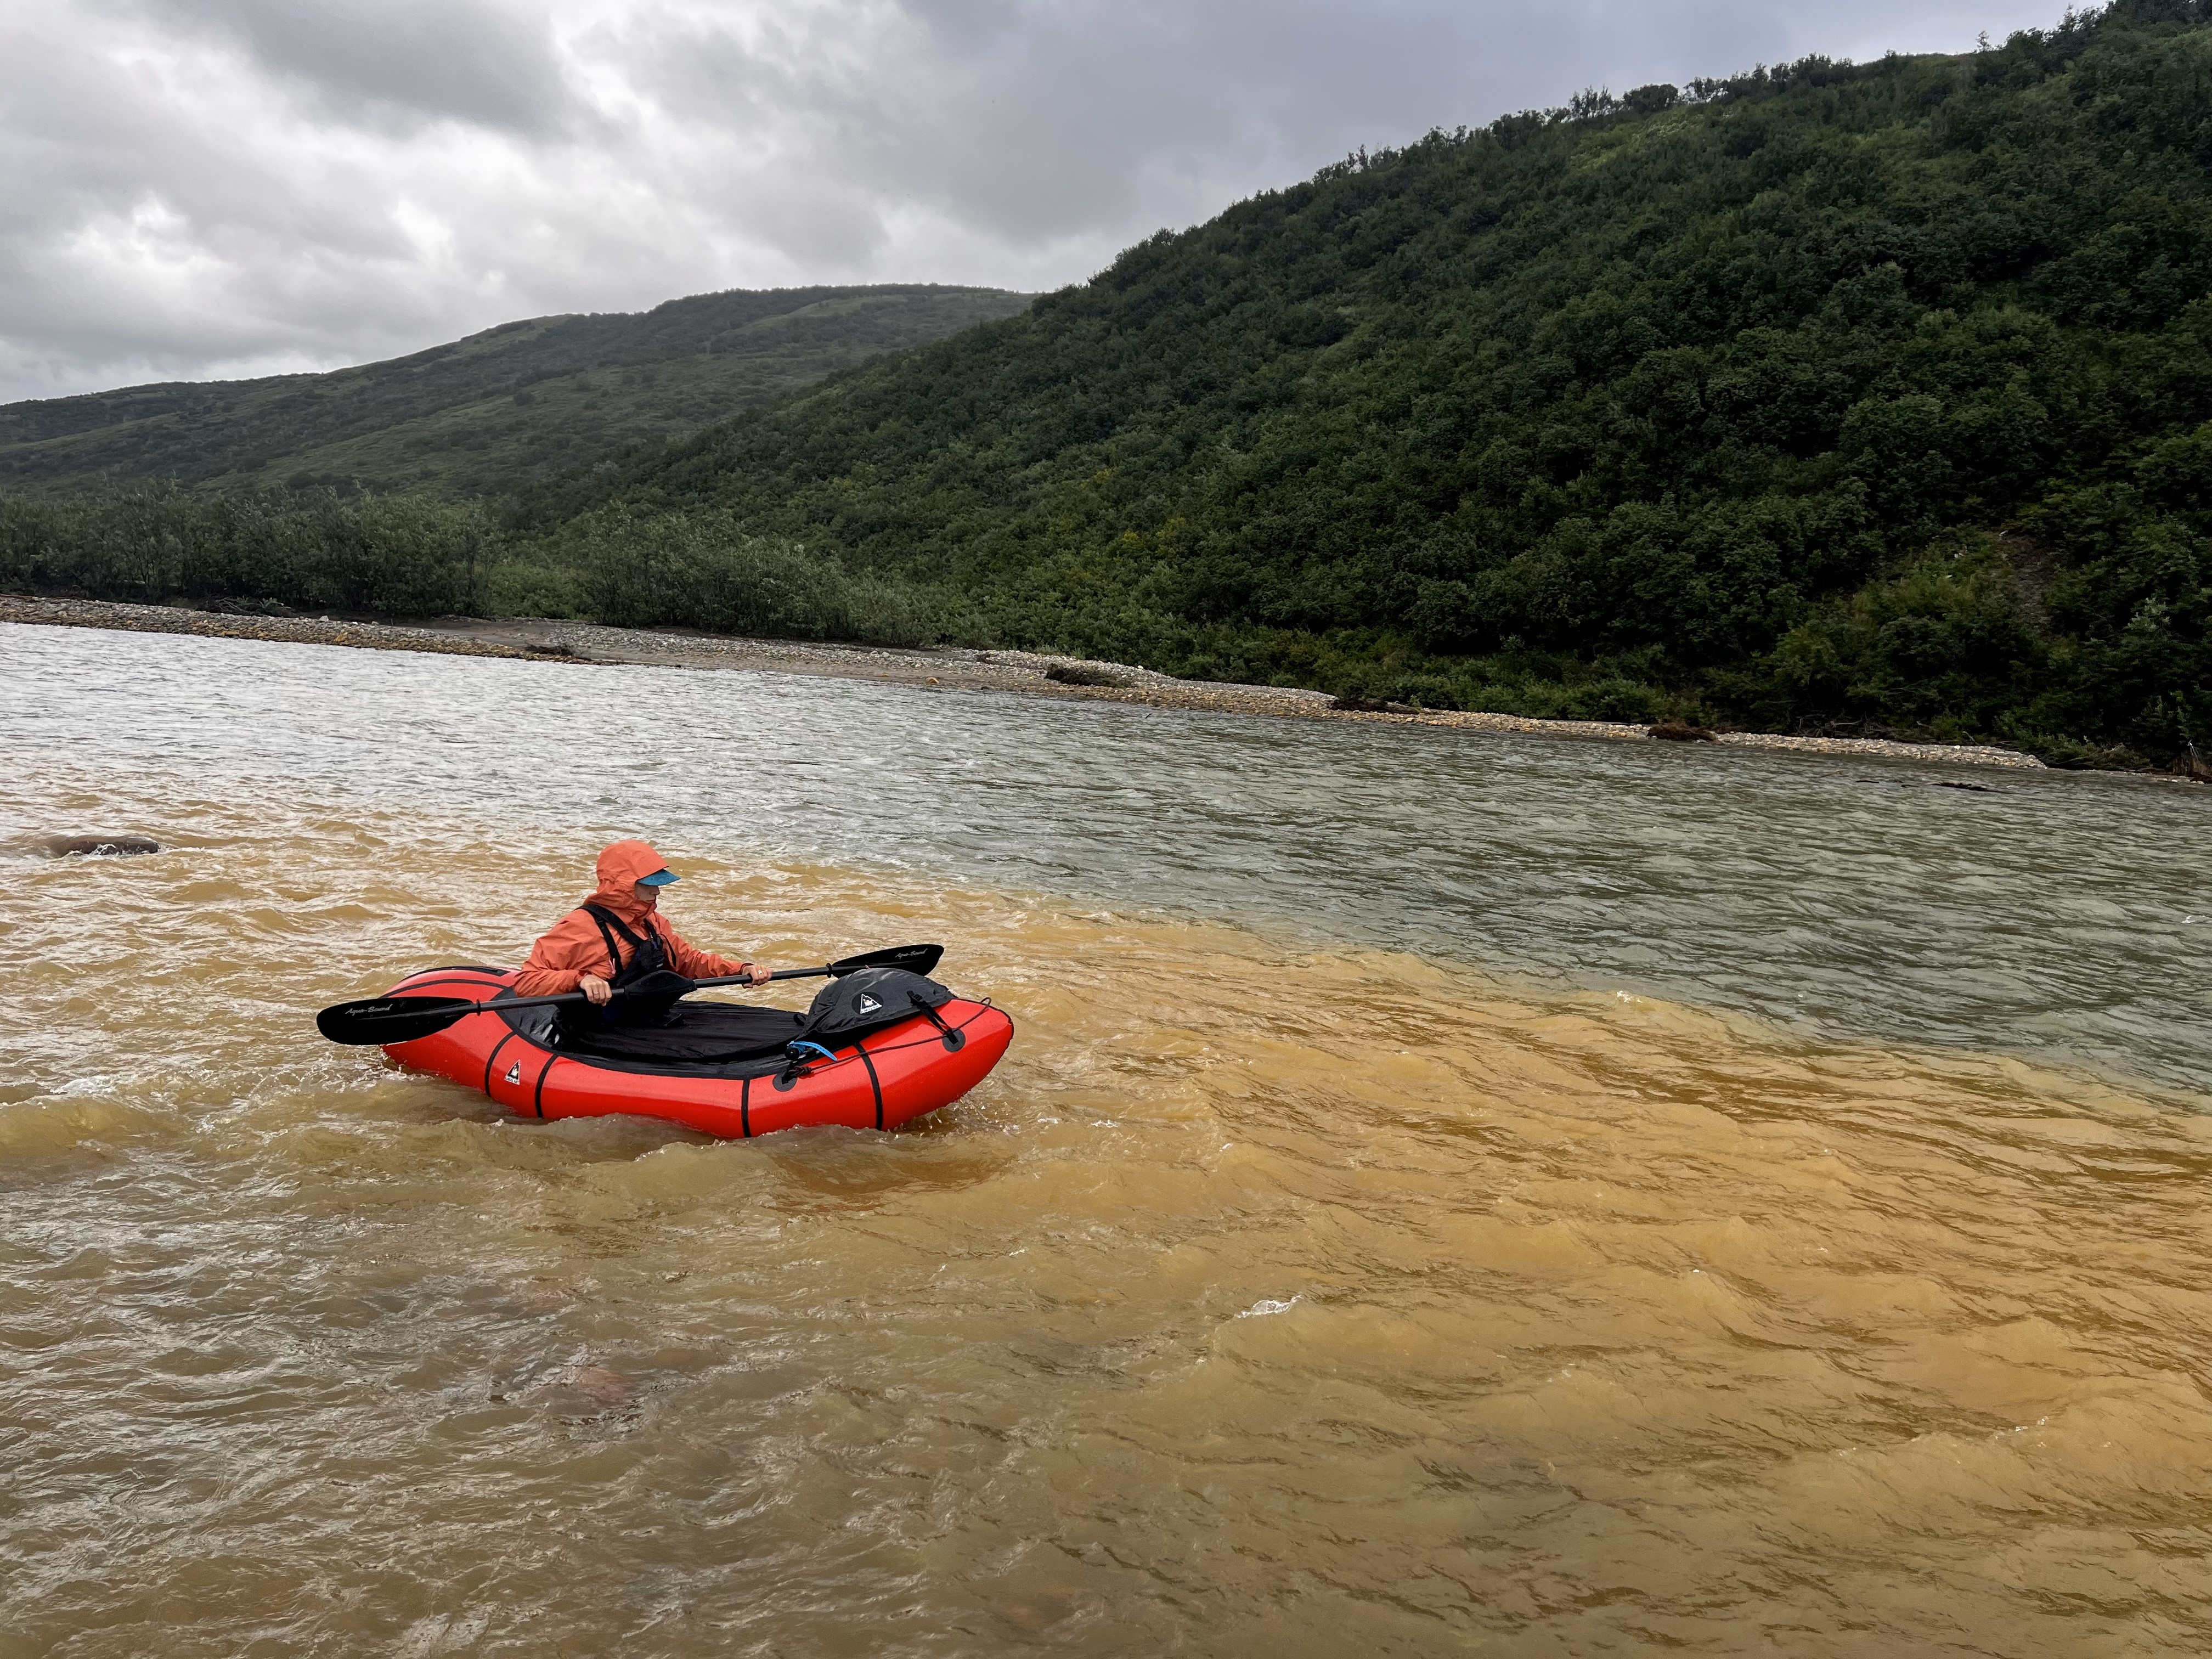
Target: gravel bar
(945,668)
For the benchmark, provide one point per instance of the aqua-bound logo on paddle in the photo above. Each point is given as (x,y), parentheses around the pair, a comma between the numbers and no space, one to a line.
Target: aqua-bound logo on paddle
(514,1072)
(868,1005)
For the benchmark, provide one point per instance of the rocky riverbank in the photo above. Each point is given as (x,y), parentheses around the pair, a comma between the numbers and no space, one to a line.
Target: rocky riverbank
(945,668)
(295,630)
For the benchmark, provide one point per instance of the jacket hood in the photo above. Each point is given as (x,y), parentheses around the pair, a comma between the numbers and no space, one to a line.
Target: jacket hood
(621,867)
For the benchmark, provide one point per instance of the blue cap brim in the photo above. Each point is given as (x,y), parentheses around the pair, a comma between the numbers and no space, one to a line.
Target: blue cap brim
(658,878)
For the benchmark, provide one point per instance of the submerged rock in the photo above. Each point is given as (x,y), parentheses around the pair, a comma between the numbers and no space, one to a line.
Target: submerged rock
(61,847)
(604,1387)
(579,1389)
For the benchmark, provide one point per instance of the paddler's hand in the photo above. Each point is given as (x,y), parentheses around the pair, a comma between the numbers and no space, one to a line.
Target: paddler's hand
(758,975)
(597,990)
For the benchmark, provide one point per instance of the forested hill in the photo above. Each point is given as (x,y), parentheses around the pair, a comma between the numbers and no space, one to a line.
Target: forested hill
(1829,396)
(486,413)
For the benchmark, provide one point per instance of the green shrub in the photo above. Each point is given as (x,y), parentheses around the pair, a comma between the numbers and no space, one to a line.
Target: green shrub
(638,569)
(394,556)
(516,588)
(401,557)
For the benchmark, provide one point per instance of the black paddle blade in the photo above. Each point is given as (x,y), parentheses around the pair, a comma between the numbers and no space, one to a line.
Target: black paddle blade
(374,1021)
(914,958)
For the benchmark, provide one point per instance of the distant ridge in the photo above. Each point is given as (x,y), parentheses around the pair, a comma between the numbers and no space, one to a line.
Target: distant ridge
(1867,400)
(485,415)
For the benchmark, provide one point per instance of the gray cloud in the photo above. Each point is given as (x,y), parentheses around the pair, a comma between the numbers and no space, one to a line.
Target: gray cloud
(220,187)
(363,60)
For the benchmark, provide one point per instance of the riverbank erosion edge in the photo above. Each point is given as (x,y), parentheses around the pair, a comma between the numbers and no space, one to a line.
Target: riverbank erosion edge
(943,668)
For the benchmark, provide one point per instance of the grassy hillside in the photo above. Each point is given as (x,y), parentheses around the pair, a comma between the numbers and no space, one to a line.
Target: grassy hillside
(1828,398)
(484,415)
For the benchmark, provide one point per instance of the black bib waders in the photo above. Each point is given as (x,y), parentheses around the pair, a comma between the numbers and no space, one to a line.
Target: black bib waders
(648,956)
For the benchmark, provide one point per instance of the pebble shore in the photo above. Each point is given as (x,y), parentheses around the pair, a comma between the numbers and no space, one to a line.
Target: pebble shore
(945,668)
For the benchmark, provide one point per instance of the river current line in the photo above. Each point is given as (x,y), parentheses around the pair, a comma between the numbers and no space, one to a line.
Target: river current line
(2050,915)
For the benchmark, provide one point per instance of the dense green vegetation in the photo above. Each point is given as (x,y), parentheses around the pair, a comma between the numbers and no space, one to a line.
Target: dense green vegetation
(412,557)
(484,415)
(390,557)
(1825,398)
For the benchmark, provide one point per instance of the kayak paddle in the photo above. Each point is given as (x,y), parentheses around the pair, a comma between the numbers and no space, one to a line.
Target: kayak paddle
(376,1021)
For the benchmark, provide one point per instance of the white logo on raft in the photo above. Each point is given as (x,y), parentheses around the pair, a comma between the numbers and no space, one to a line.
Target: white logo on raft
(868,1005)
(514,1072)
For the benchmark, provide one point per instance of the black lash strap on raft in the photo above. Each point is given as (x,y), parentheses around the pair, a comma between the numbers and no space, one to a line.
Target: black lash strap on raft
(954,1041)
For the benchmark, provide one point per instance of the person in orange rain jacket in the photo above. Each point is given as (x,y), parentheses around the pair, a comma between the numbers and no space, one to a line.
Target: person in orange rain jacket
(616,938)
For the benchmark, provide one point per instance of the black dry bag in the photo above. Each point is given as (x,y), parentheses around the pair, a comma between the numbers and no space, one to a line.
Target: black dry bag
(872,1000)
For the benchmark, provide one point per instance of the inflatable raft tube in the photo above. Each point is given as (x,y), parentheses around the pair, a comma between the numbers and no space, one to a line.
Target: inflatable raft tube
(888,1077)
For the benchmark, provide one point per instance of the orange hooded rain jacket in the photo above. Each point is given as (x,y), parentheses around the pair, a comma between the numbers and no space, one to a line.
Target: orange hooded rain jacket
(576,947)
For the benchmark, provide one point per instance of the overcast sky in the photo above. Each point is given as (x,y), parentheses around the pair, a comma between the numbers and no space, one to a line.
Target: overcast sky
(215,188)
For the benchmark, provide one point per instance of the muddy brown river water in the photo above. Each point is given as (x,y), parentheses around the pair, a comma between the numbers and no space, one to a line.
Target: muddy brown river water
(1448,1194)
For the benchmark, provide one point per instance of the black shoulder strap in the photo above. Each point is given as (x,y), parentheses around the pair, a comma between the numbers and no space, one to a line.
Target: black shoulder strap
(609,925)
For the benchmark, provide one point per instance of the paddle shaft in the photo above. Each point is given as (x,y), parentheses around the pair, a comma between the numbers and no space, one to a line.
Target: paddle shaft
(389,1020)
(507,1003)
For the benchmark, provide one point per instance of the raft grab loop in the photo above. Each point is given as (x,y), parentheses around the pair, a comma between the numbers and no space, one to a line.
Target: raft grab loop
(954,1040)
